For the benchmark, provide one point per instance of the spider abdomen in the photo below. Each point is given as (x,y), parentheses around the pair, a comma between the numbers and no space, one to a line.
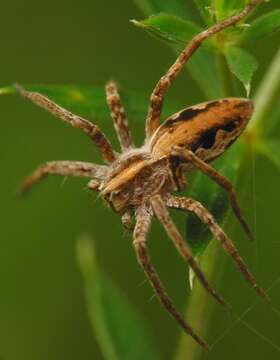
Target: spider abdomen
(207,129)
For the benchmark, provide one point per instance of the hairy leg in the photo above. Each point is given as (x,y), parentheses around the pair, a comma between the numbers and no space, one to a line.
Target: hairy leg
(220,180)
(118,116)
(127,221)
(64,168)
(93,185)
(92,130)
(157,96)
(205,216)
(143,220)
(162,214)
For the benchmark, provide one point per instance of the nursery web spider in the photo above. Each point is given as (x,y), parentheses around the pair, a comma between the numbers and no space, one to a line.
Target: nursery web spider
(140,181)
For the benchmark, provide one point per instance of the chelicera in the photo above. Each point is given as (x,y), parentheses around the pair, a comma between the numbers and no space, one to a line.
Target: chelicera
(139,182)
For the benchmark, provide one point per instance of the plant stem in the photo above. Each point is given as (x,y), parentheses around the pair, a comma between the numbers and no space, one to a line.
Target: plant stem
(199,308)
(266,96)
(199,311)
(225,76)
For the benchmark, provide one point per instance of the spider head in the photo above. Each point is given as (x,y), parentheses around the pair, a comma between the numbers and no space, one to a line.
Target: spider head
(118,199)
(135,182)
(119,188)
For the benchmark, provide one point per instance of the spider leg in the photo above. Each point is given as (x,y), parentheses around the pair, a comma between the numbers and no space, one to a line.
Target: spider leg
(205,216)
(143,220)
(92,130)
(93,185)
(119,116)
(220,180)
(127,221)
(64,168)
(162,214)
(157,96)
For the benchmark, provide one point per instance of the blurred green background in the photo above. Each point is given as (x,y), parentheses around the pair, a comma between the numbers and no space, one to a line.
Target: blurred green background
(42,307)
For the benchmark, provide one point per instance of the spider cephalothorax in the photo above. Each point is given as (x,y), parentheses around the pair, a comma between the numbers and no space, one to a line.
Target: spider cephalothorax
(140,181)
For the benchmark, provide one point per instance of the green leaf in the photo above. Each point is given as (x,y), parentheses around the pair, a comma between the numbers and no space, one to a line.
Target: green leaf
(88,101)
(262,26)
(213,197)
(242,64)
(175,7)
(271,149)
(169,28)
(177,33)
(118,327)
(205,9)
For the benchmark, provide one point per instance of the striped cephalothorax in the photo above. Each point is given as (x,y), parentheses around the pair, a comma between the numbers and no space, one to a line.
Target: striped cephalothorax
(139,182)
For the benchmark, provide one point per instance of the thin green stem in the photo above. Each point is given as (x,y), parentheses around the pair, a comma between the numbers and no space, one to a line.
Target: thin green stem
(219,6)
(199,307)
(266,96)
(225,76)
(199,311)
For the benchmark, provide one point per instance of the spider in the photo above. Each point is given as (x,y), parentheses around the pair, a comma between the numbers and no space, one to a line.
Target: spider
(140,181)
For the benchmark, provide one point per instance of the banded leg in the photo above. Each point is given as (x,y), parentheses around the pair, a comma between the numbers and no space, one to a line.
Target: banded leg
(162,214)
(143,220)
(204,215)
(92,130)
(220,180)
(64,168)
(157,96)
(118,116)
